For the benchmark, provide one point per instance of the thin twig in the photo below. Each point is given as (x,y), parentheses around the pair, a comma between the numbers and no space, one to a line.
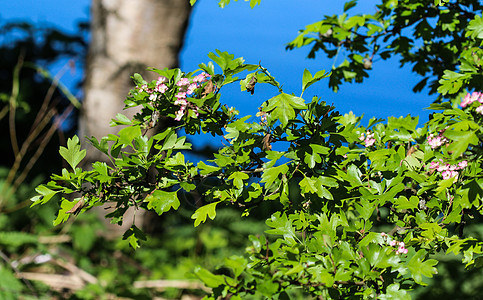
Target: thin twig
(13,102)
(41,147)
(164,284)
(49,95)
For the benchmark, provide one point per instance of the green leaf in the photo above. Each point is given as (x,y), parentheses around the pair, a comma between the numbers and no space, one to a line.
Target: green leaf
(430,230)
(282,107)
(254,2)
(102,146)
(237,264)
(475,28)
(420,267)
(102,170)
(327,181)
(267,288)
(170,141)
(201,213)
(65,206)
(393,291)
(270,175)
(45,195)
(121,120)
(138,79)
(403,203)
(354,176)
(372,237)
(72,154)
(207,169)
(226,61)
(461,141)
(238,178)
(209,279)
(175,161)
(281,226)
(308,185)
(133,235)
(350,4)
(162,201)
(365,209)
(308,80)
(128,134)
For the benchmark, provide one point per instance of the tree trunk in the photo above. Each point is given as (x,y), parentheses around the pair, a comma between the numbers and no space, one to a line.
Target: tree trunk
(126,37)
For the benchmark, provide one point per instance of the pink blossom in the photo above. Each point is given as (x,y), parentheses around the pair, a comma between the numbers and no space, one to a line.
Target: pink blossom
(434,165)
(180,101)
(443,167)
(179,114)
(161,79)
(183,82)
(161,88)
(392,243)
(437,141)
(181,95)
(369,139)
(463,164)
(191,88)
(201,77)
(369,142)
(479,109)
(198,78)
(449,174)
(470,98)
(448,170)
(401,250)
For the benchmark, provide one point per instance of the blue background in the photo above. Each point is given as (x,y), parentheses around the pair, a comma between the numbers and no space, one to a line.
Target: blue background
(260,35)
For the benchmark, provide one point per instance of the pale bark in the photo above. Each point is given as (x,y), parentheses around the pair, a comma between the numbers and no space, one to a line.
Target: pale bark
(127,36)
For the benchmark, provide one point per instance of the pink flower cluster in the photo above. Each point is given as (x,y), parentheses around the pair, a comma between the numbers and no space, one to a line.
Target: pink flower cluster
(438,140)
(160,88)
(186,88)
(448,170)
(401,247)
(473,97)
(368,138)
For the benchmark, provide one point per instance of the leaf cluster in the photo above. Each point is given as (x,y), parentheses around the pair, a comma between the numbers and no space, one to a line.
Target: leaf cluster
(351,217)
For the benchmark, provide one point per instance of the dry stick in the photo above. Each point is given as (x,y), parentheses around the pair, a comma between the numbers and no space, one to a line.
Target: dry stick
(34,158)
(26,145)
(4,112)
(49,95)
(35,131)
(42,146)
(19,157)
(13,104)
(164,284)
